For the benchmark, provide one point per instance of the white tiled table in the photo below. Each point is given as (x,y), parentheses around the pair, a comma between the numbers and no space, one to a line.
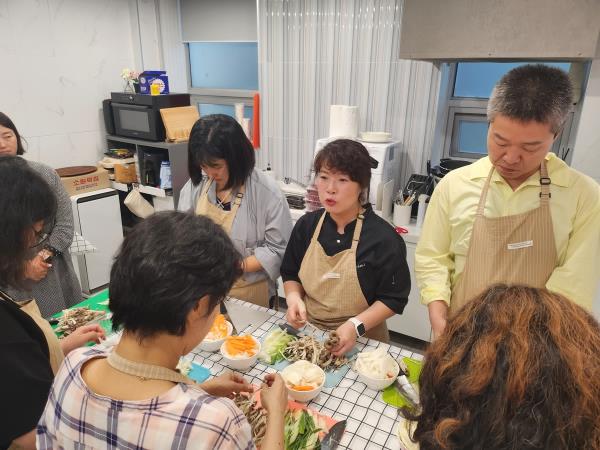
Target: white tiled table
(370,423)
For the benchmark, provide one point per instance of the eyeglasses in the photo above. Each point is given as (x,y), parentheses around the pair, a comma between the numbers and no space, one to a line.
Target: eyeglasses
(44,233)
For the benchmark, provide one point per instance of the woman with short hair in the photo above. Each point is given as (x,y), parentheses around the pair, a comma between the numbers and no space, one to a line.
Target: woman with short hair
(225,186)
(168,278)
(345,267)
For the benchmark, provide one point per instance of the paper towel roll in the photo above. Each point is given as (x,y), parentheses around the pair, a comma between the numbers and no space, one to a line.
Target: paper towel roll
(239,112)
(343,121)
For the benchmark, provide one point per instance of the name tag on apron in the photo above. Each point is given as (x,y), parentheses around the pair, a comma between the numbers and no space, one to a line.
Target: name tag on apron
(331,276)
(518,245)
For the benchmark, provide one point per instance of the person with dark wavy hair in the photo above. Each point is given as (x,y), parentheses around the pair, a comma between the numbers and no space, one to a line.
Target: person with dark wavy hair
(50,276)
(345,267)
(29,350)
(516,368)
(225,186)
(164,296)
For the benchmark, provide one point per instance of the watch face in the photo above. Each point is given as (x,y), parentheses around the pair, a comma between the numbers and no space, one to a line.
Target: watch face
(361,329)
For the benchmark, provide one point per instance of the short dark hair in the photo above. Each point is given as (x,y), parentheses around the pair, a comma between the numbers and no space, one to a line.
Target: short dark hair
(7,123)
(165,265)
(533,92)
(25,198)
(348,157)
(516,367)
(219,136)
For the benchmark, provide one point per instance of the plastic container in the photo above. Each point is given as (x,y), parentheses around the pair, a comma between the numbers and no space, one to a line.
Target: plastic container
(402,215)
(165,175)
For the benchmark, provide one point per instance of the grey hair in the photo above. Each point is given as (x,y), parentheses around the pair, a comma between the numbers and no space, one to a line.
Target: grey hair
(534,92)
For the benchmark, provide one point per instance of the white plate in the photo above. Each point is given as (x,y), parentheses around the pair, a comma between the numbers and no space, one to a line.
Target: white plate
(375,136)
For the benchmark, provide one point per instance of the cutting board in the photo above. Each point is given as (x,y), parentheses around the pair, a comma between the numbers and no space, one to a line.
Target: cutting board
(179,122)
(245,319)
(75,171)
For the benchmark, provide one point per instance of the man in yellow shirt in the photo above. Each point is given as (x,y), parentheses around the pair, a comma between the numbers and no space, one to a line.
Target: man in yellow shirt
(519,215)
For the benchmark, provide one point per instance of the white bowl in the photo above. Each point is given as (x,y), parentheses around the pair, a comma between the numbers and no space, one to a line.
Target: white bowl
(240,363)
(214,346)
(378,384)
(304,396)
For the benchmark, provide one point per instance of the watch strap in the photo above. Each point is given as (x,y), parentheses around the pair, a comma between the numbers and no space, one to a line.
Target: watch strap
(358,326)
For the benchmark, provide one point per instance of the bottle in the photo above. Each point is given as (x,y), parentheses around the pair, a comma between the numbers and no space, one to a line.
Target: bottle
(165,175)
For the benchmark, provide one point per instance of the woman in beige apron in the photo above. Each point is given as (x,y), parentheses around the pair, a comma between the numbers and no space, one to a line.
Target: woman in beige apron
(245,202)
(327,290)
(517,249)
(27,204)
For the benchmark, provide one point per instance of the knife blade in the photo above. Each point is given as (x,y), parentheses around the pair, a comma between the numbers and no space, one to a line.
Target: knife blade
(404,386)
(334,436)
(290,329)
(243,317)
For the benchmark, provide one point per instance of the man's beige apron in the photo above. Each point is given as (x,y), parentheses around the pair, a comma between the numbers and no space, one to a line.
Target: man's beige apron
(333,293)
(517,249)
(257,292)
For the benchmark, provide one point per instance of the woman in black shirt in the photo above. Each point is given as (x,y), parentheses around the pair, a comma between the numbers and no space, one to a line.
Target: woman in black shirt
(345,268)
(29,351)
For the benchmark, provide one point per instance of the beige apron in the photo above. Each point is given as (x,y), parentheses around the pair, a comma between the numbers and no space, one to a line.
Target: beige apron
(517,249)
(257,292)
(30,308)
(333,293)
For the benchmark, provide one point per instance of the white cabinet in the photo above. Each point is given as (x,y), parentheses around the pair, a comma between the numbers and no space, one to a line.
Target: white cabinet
(414,321)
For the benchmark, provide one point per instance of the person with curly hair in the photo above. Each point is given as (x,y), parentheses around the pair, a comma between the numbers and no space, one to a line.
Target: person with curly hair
(517,368)
(345,267)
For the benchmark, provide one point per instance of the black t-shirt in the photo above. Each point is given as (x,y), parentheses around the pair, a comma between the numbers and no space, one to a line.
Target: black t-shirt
(380,256)
(26,375)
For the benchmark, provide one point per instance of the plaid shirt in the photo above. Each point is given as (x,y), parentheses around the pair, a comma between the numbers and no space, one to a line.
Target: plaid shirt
(183,417)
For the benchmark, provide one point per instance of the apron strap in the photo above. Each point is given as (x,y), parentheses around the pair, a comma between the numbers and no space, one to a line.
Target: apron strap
(486,186)
(544,185)
(544,188)
(238,199)
(145,371)
(357,229)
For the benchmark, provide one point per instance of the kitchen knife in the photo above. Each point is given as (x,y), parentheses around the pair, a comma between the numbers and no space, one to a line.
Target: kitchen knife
(289,329)
(334,436)
(243,317)
(407,390)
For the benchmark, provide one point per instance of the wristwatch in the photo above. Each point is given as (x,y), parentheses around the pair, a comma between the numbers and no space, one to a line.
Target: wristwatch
(358,326)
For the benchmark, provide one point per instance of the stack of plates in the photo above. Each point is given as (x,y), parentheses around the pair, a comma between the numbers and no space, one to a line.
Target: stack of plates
(375,136)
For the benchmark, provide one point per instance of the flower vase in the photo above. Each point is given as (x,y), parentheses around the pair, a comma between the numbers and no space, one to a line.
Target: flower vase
(128,88)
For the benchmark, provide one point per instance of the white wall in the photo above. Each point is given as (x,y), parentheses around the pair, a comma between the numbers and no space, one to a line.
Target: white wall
(60,59)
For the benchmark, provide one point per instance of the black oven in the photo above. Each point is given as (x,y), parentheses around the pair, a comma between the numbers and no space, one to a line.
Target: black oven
(138,115)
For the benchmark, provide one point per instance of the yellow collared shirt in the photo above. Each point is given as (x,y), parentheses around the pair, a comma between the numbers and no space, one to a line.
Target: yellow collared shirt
(575,209)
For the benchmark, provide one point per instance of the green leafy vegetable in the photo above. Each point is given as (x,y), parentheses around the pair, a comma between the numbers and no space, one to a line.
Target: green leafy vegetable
(273,346)
(300,431)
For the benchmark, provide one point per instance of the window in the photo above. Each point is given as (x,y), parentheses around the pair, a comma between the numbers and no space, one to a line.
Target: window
(469,87)
(222,74)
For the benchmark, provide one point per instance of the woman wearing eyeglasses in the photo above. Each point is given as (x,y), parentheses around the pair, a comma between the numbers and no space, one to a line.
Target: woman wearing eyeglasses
(50,276)
(29,350)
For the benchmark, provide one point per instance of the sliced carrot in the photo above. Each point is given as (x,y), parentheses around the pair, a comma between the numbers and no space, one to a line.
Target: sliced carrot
(301,388)
(237,345)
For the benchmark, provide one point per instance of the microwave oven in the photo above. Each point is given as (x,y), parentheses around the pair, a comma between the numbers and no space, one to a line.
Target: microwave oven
(138,115)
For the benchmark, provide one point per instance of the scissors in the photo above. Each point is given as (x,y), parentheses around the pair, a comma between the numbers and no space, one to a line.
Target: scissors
(401,230)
